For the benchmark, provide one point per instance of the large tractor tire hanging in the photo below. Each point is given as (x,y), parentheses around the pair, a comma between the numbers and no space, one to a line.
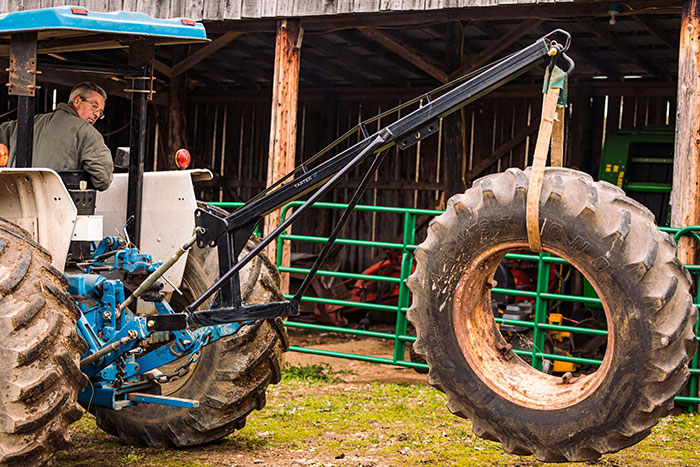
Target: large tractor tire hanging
(39,353)
(230,377)
(614,242)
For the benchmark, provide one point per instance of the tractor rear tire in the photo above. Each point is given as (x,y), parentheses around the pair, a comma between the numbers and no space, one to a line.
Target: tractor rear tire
(230,377)
(40,353)
(614,242)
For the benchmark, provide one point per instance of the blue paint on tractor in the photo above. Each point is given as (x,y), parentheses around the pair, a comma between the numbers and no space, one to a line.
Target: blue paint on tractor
(122,371)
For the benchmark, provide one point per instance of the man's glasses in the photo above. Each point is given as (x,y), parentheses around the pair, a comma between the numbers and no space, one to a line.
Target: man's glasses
(96,108)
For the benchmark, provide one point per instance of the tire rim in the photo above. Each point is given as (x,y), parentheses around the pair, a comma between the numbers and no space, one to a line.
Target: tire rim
(480,340)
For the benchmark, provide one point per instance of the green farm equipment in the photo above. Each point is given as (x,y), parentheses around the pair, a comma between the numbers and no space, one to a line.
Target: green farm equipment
(640,161)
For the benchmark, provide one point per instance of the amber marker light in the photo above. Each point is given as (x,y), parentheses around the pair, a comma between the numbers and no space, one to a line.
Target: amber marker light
(4,155)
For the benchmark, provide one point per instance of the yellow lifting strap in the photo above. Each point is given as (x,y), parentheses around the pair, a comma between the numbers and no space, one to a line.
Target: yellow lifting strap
(551,129)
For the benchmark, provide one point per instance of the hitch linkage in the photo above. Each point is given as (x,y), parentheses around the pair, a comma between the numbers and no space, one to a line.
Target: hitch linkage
(213,317)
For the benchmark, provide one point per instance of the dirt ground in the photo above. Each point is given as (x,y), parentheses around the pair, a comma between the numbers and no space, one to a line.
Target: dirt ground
(359,371)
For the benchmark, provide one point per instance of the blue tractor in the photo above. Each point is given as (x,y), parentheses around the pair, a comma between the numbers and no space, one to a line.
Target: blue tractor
(67,266)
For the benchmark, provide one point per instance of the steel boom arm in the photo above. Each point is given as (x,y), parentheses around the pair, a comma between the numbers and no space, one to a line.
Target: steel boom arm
(231,232)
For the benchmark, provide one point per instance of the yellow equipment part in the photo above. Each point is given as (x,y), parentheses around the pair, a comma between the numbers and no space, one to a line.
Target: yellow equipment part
(563,367)
(556,318)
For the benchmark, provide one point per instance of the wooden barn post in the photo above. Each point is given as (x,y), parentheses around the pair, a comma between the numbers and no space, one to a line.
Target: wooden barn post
(685,196)
(452,125)
(283,121)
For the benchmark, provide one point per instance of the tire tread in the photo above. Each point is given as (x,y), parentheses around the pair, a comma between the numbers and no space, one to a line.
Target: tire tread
(647,255)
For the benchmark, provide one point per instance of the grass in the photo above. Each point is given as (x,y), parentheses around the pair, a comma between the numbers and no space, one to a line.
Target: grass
(315,373)
(403,424)
(313,419)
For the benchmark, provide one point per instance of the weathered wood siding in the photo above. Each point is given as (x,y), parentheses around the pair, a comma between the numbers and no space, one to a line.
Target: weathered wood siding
(214,10)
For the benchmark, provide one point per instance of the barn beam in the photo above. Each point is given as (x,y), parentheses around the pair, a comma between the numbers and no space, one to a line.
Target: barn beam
(420,46)
(354,37)
(355,60)
(410,56)
(656,31)
(209,49)
(685,195)
(162,68)
(410,18)
(283,121)
(614,42)
(495,49)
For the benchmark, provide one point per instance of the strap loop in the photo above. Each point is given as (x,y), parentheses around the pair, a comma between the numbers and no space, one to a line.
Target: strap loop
(552,121)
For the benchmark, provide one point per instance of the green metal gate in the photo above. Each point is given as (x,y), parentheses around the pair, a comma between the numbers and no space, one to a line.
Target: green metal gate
(541,296)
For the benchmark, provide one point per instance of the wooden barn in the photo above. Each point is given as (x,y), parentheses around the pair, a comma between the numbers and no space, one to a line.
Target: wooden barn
(316,68)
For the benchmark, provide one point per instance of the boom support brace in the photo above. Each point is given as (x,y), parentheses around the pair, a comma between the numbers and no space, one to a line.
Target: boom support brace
(230,234)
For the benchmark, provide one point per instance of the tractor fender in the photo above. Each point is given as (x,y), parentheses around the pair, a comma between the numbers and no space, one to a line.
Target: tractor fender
(36,200)
(167,214)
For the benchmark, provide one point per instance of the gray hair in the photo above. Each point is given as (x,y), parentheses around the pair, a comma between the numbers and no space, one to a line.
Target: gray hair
(81,89)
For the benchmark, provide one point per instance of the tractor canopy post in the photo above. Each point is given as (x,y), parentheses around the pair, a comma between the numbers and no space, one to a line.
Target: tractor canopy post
(140,56)
(22,83)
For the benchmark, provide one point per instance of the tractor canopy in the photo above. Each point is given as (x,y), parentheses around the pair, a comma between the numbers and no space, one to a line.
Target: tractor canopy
(70,28)
(25,35)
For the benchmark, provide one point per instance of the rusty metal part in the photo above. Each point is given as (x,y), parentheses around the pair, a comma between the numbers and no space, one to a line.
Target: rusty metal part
(490,355)
(22,71)
(568,378)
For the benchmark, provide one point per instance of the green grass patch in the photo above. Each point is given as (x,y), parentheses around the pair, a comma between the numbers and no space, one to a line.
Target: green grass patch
(308,418)
(316,373)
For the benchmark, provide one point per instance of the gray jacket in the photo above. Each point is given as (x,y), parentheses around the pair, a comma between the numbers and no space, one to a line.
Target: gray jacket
(64,141)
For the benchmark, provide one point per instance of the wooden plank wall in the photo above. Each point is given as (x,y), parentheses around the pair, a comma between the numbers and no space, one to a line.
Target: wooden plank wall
(238,135)
(251,9)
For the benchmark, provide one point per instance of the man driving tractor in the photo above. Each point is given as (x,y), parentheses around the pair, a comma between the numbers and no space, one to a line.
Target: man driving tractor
(66,139)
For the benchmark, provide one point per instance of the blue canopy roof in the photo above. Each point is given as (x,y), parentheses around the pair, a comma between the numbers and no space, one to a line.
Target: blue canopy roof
(80,20)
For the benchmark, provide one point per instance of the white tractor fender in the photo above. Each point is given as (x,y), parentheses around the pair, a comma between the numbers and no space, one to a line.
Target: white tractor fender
(167,214)
(36,200)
